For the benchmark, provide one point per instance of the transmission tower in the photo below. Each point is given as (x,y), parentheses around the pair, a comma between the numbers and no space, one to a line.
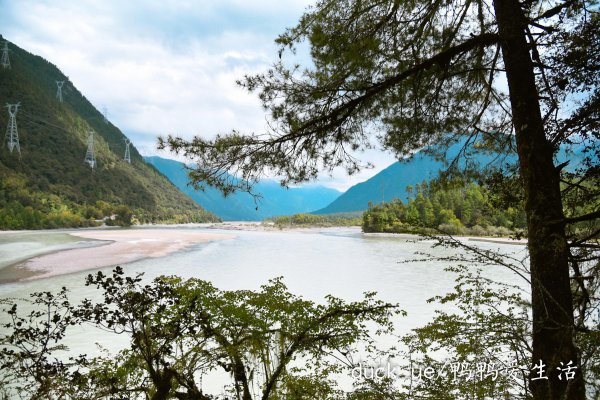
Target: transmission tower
(59,85)
(105,115)
(5,60)
(127,154)
(90,159)
(12,136)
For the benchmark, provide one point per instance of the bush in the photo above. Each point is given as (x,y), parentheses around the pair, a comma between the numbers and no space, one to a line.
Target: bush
(478,230)
(451,229)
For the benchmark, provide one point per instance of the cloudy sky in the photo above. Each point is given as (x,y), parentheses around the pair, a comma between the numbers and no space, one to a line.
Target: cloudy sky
(165,66)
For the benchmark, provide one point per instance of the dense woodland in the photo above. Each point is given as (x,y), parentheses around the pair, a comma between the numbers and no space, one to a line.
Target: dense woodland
(451,207)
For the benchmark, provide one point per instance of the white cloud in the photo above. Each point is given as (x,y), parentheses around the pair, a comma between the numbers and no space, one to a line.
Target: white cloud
(164,67)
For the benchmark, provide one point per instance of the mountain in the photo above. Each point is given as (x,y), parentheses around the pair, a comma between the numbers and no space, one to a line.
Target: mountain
(50,177)
(387,185)
(391,183)
(275,200)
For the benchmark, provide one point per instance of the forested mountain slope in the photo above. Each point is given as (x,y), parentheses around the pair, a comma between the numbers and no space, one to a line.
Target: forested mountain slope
(275,200)
(48,184)
(392,182)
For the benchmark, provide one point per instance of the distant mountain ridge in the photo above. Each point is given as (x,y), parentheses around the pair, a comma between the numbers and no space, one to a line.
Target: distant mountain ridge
(391,183)
(387,185)
(53,140)
(275,201)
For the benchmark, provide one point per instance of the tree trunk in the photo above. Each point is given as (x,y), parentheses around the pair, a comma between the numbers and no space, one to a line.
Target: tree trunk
(239,375)
(163,383)
(552,303)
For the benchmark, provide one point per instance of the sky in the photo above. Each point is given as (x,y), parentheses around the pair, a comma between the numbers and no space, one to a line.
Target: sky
(165,67)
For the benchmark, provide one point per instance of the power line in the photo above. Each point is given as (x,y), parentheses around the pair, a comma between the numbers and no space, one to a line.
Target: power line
(42,122)
(12,135)
(59,85)
(5,59)
(29,118)
(45,124)
(127,154)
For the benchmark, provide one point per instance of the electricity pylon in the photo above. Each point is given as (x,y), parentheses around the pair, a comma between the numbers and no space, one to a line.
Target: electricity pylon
(5,60)
(127,154)
(90,159)
(105,115)
(12,135)
(59,85)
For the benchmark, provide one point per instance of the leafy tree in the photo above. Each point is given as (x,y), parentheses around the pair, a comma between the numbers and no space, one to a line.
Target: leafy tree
(273,344)
(479,345)
(483,348)
(415,70)
(28,361)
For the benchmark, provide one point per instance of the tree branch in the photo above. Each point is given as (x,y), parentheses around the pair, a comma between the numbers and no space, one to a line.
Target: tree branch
(554,10)
(442,58)
(584,217)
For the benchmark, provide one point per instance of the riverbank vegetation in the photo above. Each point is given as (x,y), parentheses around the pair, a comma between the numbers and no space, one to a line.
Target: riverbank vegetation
(453,207)
(270,344)
(305,220)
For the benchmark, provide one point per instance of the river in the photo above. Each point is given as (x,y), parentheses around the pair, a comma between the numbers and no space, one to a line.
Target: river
(313,263)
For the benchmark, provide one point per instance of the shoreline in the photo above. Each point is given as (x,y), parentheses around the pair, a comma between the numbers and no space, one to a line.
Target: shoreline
(483,239)
(260,226)
(111,247)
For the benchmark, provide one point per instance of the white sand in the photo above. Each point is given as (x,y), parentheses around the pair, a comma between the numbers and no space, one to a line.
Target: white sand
(121,247)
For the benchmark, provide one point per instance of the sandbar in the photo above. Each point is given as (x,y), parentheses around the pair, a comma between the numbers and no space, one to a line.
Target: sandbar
(117,247)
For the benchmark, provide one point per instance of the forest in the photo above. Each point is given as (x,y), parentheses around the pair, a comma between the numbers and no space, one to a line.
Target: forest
(452,207)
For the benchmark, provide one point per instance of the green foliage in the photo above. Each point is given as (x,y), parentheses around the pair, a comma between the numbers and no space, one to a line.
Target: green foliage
(312,220)
(273,344)
(24,208)
(479,346)
(452,207)
(362,76)
(482,347)
(53,180)
(27,351)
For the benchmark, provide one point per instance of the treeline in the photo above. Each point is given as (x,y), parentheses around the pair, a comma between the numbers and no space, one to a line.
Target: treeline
(24,208)
(453,207)
(164,215)
(311,220)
